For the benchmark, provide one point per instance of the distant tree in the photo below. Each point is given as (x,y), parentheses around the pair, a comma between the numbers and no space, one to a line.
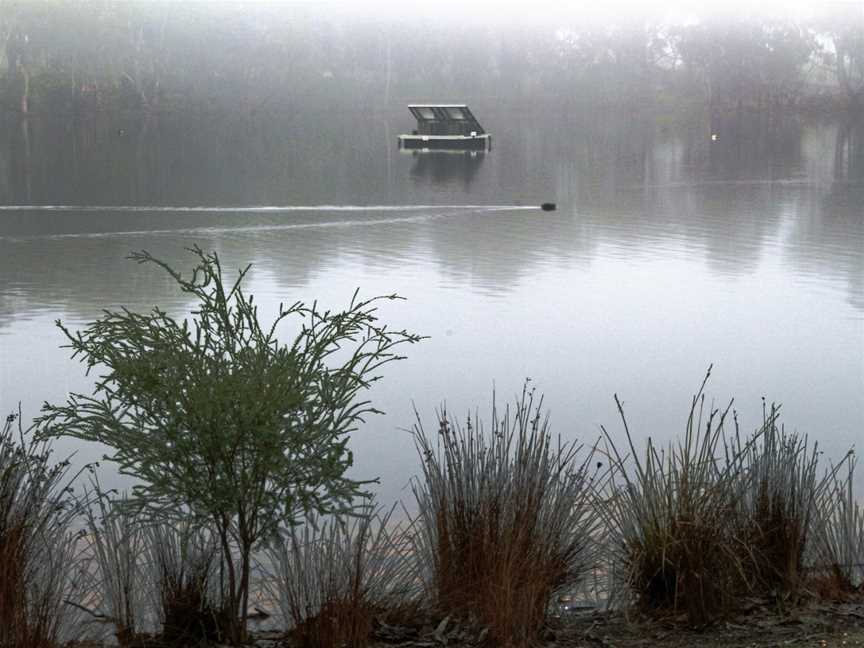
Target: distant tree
(18,52)
(786,56)
(745,61)
(843,27)
(239,56)
(215,416)
(612,61)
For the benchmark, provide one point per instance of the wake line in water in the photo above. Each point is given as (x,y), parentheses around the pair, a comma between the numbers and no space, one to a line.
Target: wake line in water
(257,208)
(204,230)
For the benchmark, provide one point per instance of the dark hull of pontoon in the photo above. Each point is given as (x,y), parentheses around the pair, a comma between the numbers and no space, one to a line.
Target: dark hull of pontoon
(446,142)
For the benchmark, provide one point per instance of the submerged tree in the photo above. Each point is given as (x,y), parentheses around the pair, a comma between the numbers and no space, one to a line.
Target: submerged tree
(217,417)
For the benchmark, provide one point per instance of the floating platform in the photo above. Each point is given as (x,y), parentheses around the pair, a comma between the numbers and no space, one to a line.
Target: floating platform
(445,127)
(446,142)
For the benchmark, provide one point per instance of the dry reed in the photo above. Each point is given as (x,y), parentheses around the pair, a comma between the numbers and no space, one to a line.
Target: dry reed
(671,519)
(330,579)
(39,557)
(780,492)
(700,524)
(116,542)
(506,519)
(838,553)
(183,559)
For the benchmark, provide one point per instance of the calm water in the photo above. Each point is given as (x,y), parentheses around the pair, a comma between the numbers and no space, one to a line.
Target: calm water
(669,251)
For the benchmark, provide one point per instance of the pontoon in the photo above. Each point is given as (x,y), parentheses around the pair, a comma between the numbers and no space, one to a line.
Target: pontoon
(442,127)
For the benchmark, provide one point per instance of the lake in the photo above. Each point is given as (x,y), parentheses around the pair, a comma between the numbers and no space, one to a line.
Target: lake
(670,250)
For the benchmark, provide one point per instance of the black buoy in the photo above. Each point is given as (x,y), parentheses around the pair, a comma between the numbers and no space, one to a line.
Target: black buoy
(548,207)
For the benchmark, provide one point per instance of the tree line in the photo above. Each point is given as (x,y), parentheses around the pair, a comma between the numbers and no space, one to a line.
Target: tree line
(85,55)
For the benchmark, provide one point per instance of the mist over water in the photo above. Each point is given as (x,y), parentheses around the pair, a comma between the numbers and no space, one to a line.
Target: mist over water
(670,249)
(668,252)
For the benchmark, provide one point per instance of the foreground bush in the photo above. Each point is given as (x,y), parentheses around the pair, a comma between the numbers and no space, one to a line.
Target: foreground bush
(331,579)
(216,417)
(506,519)
(40,567)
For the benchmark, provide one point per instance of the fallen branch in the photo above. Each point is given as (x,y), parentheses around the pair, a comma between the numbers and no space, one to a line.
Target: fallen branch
(101,618)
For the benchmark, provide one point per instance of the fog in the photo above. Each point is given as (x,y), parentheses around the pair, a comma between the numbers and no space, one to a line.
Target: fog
(79,57)
(707,160)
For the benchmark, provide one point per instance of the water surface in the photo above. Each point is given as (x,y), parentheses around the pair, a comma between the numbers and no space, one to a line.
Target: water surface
(669,251)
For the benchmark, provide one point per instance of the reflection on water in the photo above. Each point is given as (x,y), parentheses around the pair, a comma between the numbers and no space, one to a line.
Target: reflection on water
(669,250)
(441,168)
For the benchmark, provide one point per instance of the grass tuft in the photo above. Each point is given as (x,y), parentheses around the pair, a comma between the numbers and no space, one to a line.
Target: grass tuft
(671,518)
(329,580)
(39,558)
(183,559)
(506,521)
(838,554)
(116,543)
(708,520)
(781,492)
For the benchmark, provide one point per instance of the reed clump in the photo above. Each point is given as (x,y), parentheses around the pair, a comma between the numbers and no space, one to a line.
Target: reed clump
(697,526)
(183,560)
(331,579)
(780,491)
(115,543)
(506,519)
(149,577)
(670,516)
(38,548)
(838,553)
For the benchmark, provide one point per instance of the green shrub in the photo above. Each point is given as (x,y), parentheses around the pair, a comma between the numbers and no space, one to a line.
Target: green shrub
(213,415)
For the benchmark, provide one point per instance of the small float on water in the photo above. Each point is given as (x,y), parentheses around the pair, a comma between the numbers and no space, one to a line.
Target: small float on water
(445,127)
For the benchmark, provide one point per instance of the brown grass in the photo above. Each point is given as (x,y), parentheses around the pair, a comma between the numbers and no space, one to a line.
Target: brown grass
(14,626)
(503,576)
(703,524)
(340,622)
(506,520)
(780,494)
(183,558)
(331,579)
(672,519)
(838,544)
(37,548)
(834,585)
